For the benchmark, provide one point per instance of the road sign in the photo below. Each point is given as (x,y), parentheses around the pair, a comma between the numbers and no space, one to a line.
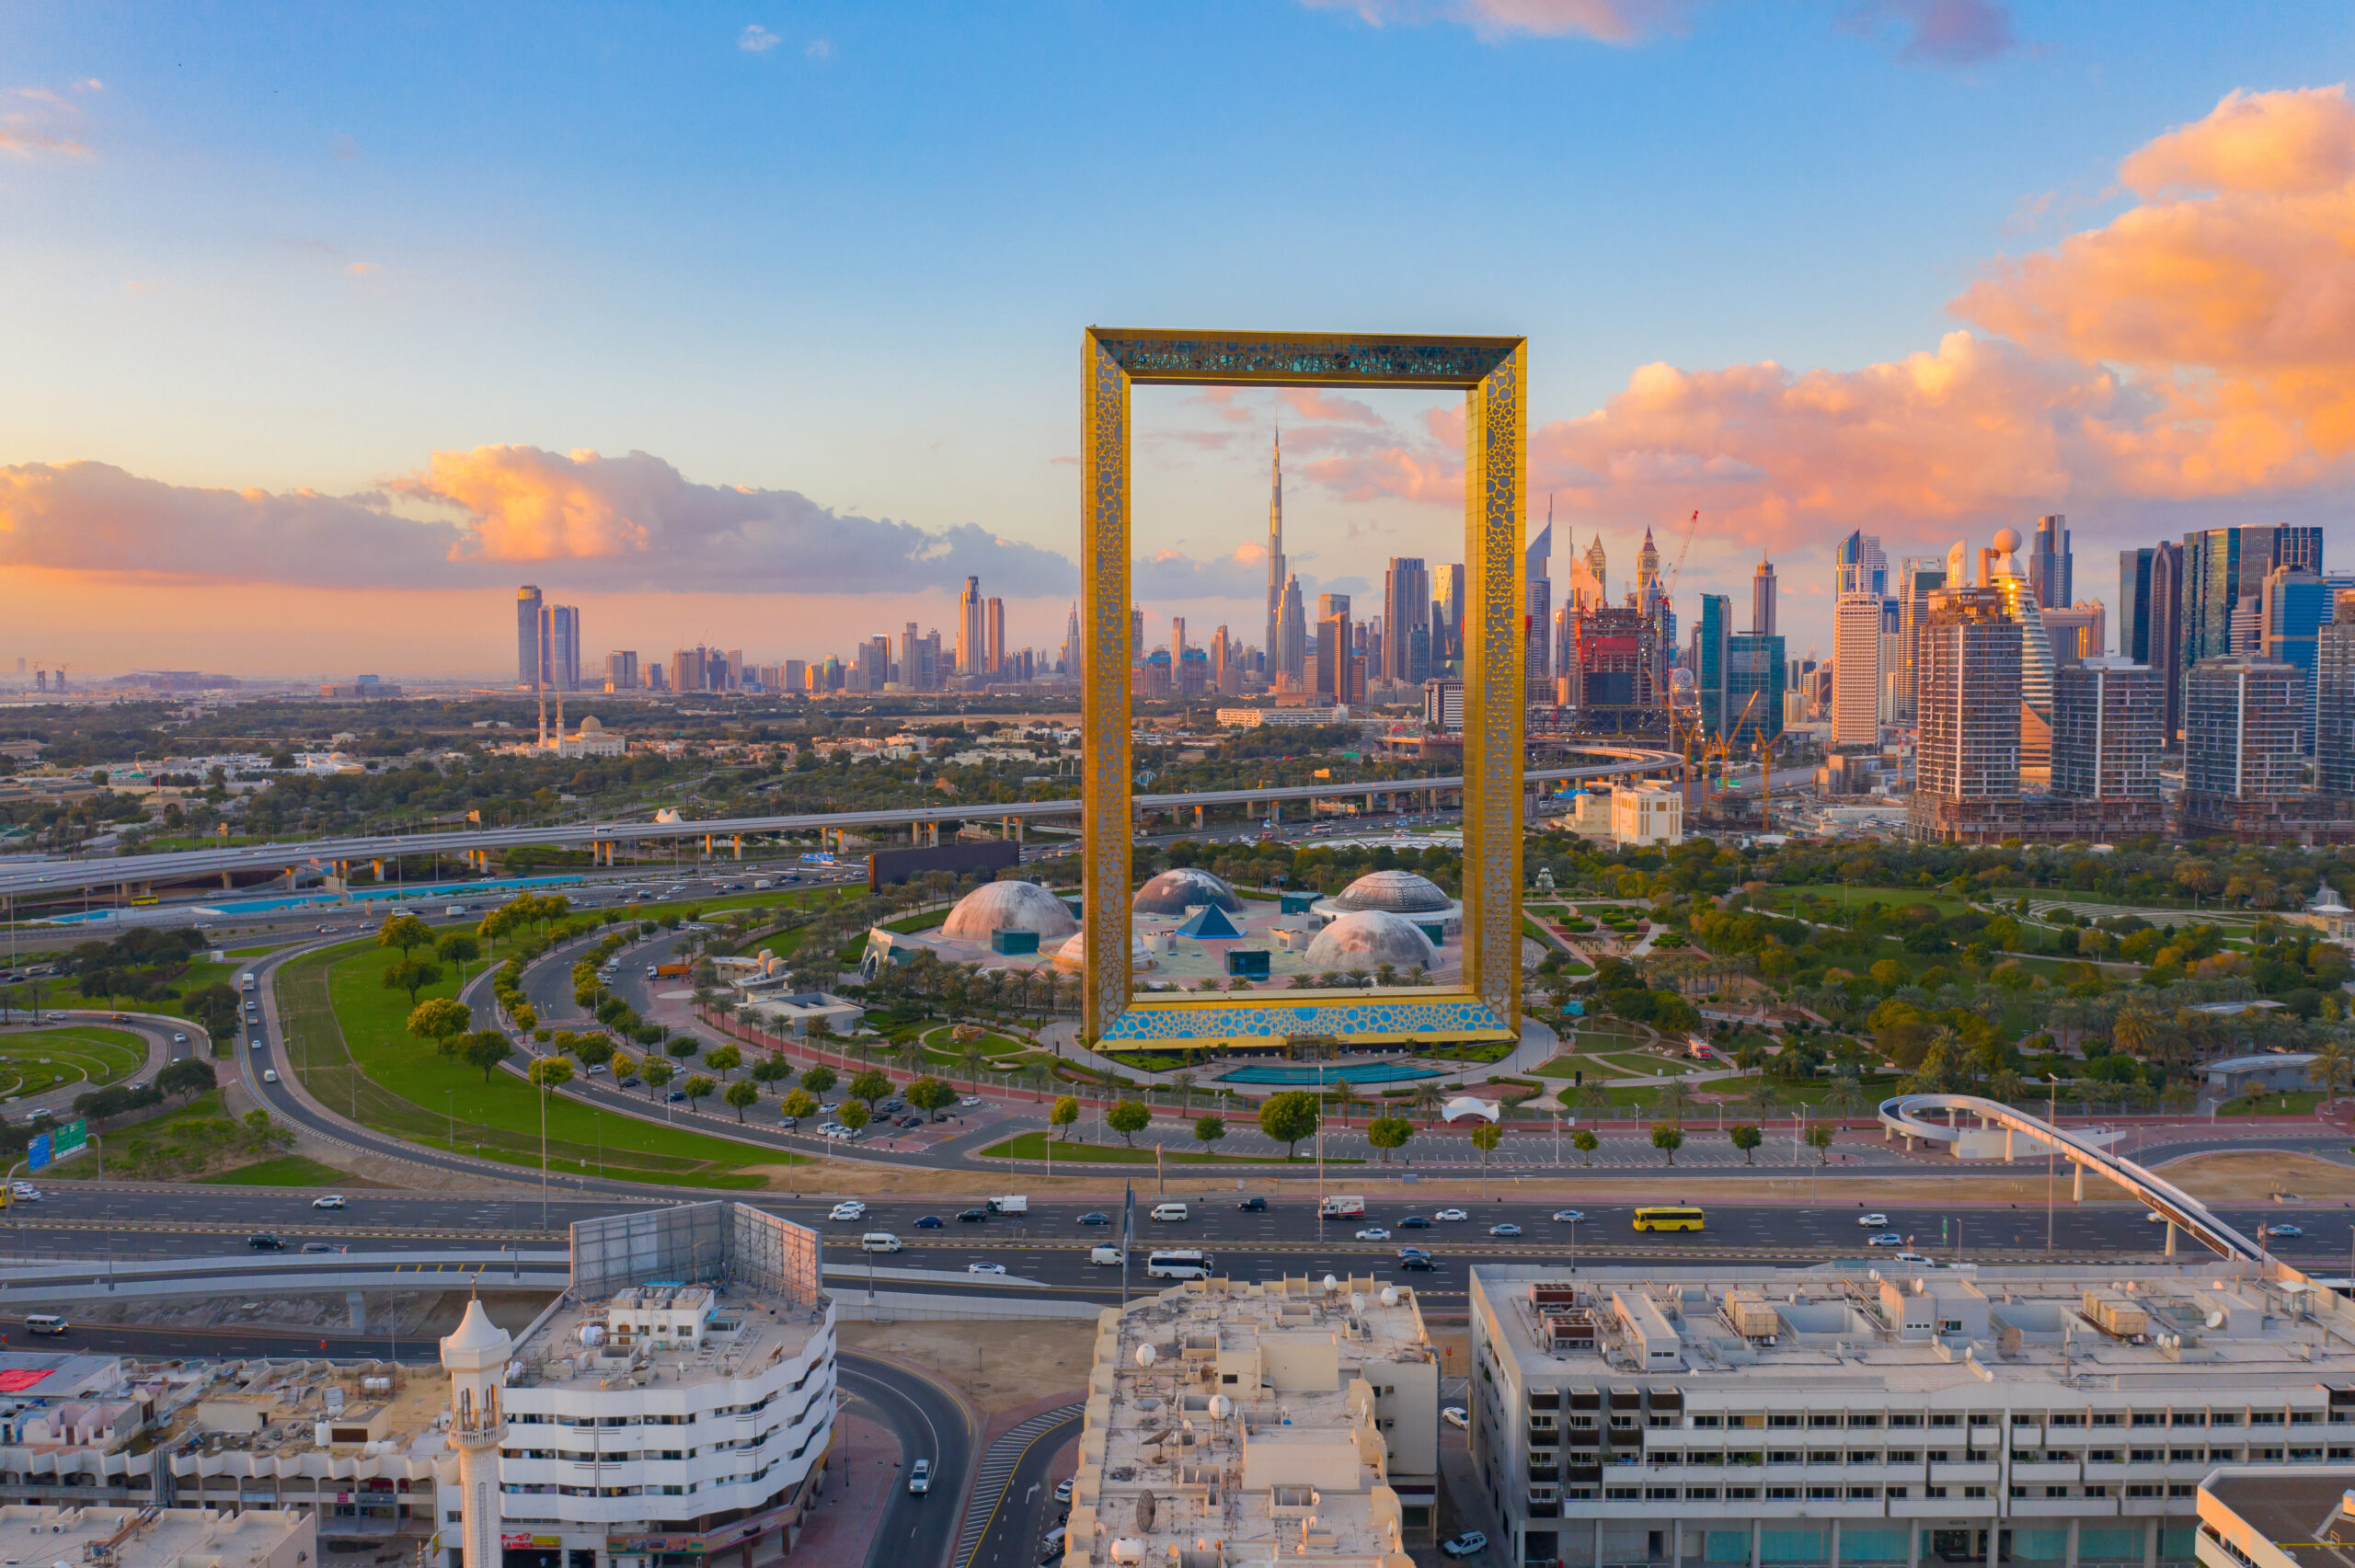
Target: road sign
(71,1138)
(37,1153)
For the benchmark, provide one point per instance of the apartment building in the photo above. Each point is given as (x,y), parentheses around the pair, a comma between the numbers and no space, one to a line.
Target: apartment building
(1232,1423)
(2045,1417)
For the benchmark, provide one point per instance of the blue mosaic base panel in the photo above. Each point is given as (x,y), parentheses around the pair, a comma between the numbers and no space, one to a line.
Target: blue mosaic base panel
(1364,1020)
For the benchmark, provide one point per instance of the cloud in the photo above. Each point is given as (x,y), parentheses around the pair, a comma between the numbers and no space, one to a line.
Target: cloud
(479,517)
(357,268)
(819,49)
(1173,574)
(757,40)
(1312,403)
(2277,142)
(1605,21)
(1938,32)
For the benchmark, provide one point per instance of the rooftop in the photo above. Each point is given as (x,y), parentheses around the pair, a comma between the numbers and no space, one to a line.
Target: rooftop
(678,1335)
(2075,1336)
(2302,1510)
(164,1538)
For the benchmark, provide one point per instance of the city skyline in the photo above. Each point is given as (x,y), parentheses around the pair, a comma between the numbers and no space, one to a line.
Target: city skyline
(281,363)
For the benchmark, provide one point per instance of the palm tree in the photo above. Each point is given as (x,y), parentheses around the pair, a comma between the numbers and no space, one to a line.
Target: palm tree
(2328,1069)
(1428,1096)
(1184,1084)
(1762,1094)
(1846,1097)
(1676,1098)
(974,1059)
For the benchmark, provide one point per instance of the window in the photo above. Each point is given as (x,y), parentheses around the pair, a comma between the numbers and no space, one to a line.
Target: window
(1823,1456)
(1863,1457)
(2106,1418)
(2078,1419)
(2342,1453)
(2027,1455)
(2190,1418)
(2265,1456)
(2143,1489)
(1824,1421)
(2056,1491)
(2020,1418)
(1905,1418)
(2102,1456)
(1708,1421)
(2019,1491)
(1858,1491)
(1945,1418)
(1981,1419)
(1897,1491)
(1904,1455)
(1949,1325)
(2264,1418)
(1941,1456)
(1821,1494)
(1974,1492)
(1660,1493)
(2224,1418)
(2182,1489)
(2305,1417)
(1623,1494)
(1782,1420)
(1864,1421)
(2097,1491)
(1782,1495)
(1741,1494)
(2305,1456)
(2144,1456)
(2181,1456)
(1933,1491)
(1701,1494)
(2149,1418)
(1782,1456)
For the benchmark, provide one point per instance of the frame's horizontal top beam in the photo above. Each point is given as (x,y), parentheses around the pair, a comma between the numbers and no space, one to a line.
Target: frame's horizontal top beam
(1302,359)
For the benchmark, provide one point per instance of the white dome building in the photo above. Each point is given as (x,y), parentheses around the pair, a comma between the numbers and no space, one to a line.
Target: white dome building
(1397,893)
(1009,906)
(1183,887)
(1072,956)
(1367,939)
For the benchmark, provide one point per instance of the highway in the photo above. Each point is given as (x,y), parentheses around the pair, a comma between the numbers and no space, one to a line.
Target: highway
(59,876)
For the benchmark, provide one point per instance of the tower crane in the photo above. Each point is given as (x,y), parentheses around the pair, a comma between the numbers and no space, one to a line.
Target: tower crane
(1692,526)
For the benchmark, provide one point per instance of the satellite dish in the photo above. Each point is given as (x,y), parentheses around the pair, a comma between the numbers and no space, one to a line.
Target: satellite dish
(1331,1283)
(2216,1318)
(1146,1355)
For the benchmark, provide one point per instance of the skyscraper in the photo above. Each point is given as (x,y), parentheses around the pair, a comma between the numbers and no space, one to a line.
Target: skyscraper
(1967,782)
(1291,649)
(873,671)
(1406,610)
(1537,666)
(1917,578)
(2049,568)
(621,672)
(1856,677)
(2164,628)
(1648,584)
(1278,575)
(1176,636)
(560,648)
(2106,729)
(1761,598)
(2242,772)
(994,637)
(1860,566)
(1447,619)
(1226,671)
(527,637)
(1069,661)
(2006,575)
(2077,632)
(2134,604)
(2335,700)
(2222,566)
(969,629)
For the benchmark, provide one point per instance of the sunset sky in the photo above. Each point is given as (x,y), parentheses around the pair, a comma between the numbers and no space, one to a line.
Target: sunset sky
(760,325)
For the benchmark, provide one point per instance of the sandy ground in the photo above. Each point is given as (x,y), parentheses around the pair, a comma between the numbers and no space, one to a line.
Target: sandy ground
(409,1314)
(995,1365)
(2254,1176)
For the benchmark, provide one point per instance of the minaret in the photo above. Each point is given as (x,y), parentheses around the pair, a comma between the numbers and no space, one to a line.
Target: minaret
(475,1358)
(1275,556)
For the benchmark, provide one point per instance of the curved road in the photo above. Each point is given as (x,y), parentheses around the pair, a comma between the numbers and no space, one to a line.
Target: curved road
(929,1424)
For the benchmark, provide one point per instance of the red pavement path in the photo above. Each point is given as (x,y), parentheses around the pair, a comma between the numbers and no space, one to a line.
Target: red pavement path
(860,1475)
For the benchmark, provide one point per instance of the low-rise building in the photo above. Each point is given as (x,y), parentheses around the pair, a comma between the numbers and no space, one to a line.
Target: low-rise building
(1648,814)
(2277,1516)
(157,1537)
(1230,1423)
(1901,1415)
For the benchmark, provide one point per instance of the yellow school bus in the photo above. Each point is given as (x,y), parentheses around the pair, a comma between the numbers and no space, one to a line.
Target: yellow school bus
(1668,1217)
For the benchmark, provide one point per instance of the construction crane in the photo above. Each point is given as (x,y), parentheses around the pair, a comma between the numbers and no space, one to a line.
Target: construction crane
(1692,526)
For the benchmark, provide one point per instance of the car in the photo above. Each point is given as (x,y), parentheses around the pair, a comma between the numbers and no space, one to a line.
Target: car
(21,1192)
(178,1039)
(263,1242)
(894,1103)
(1418,1263)
(1873,1222)
(1062,1490)
(1095,1217)
(1886,1238)
(332,1200)
(270,1075)
(1507,1228)
(321,1247)
(1450,1215)
(596,1066)
(2154,1217)
(323,929)
(985,1268)
(1913,1257)
(1455,1416)
(2280,1230)
(1053,1543)
(970,1101)
(1414,1222)
(1567,1216)
(676,1097)
(1406,1253)
(632,1082)
(929,1222)
(920,1478)
(972,1216)
(1374,1233)
(1253,1206)
(1467,1544)
(849,1209)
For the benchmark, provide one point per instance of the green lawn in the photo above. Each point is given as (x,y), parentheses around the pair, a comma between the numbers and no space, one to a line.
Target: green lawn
(1033,1146)
(182,1142)
(2296,1102)
(287,1170)
(992,1045)
(79,1053)
(346,1036)
(1857,896)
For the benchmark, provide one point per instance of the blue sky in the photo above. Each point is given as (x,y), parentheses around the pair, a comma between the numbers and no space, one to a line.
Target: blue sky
(308,249)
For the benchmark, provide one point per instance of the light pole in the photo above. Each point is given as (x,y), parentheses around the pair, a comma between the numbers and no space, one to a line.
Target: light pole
(2051,1151)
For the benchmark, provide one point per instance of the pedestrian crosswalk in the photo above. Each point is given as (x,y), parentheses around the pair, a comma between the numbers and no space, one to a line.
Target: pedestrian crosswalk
(998,1466)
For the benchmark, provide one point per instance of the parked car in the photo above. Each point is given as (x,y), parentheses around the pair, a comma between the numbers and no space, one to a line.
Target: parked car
(1467,1544)
(1453,1416)
(1062,1490)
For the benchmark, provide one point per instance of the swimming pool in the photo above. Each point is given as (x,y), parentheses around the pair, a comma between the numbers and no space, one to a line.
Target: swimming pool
(1361,1074)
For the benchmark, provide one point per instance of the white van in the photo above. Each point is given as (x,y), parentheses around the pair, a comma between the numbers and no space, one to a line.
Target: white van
(1014,1203)
(1110,1258)
(879,1241)
(1342,1207)
(1169,1211)
(245,980)
(45,1323)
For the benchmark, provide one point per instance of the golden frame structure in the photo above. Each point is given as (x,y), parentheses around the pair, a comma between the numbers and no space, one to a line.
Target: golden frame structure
(1493,374)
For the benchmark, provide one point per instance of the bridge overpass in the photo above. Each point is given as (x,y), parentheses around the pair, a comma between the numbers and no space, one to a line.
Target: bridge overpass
(36,878)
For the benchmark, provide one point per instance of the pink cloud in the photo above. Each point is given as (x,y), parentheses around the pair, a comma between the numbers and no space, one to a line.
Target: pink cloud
(1606,21)
(1327,407)
(1938,32)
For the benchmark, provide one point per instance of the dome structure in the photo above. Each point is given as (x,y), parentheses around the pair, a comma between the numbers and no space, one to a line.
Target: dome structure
(1008,905)
(1181,889)
(1400,892)
(1367,939)
(1072,956)
(592,724)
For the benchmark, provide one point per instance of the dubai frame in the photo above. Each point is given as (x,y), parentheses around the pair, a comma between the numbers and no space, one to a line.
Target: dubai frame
(1493,372)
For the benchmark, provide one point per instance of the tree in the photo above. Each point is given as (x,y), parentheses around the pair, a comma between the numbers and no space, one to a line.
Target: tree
(871,1086)
(1290,1116)
(1387,1133)
(595,1050)
(1209,1130)
(657,1072)
(855,1115)
(1668,1138)
(723,1058)
(1747,1138)
(187,1076)
(215,1006)
(1128,1117)
(486,1048)
(819,1079)
(1427,1098)
(772,1068)
(1820,1139)
(696,1087)
(1063,1112)
(929,1095)
(403,931)
(459,949)
(681,1047)
(1586,1143)
(441,1020)
(1485,1138)
(412,975)
(741,1094)
(798,1103)
(550,1073)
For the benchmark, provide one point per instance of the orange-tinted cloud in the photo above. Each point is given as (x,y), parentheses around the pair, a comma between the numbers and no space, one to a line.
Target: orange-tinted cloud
(1608,21)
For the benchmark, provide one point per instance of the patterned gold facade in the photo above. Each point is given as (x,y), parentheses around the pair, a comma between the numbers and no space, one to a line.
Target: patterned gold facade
(1493,372)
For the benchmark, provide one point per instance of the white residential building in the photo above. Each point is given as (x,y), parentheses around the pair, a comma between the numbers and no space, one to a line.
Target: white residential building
(1855,671)
(1648,814)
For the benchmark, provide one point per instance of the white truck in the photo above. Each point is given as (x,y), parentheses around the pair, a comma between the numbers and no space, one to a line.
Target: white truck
(1342,1206)
(1014,1203)
(245,980)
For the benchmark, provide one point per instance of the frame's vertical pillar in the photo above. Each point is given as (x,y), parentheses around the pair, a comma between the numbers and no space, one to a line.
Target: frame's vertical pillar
(1495,446)
(1104,681)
